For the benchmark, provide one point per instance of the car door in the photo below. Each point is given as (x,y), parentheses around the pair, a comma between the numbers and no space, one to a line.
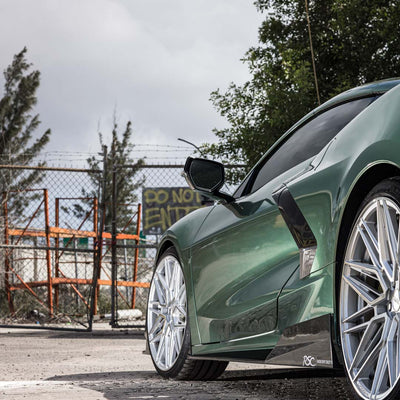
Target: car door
(244,253)
(237,267)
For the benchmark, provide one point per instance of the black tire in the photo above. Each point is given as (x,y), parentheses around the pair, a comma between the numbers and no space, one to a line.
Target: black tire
(182,367)
(358,264)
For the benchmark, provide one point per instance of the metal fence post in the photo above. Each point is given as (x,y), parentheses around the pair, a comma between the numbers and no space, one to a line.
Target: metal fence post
(7,257)
(48,253)
(114,262)
(98,246)
(57,259)
(136,261)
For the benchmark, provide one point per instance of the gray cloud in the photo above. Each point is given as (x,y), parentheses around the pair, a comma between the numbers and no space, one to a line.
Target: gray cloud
(155,61)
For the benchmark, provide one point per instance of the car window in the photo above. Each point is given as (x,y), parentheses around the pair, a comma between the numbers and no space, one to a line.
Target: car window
(308,140)
(242,187)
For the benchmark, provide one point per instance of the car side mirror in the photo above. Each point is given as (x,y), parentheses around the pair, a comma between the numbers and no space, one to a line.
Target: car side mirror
(206,177)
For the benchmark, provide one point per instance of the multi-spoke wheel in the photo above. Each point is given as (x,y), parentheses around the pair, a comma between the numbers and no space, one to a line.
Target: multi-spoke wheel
(166,319)
(168,333)
(370,296)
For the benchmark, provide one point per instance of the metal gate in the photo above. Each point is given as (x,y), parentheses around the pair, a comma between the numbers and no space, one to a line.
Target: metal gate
(58,264)
(48,253)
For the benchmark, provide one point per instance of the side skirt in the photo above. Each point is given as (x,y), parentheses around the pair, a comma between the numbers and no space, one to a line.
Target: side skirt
(252,356)
(307,344)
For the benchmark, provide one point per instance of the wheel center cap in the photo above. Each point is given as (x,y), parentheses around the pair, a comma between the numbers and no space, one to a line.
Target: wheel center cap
(164,310)
(168,310)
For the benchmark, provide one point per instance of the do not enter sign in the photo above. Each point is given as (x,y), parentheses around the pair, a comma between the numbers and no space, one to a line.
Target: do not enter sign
(163,206)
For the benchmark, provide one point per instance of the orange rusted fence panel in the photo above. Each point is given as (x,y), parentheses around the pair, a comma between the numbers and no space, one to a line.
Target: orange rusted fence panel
(57,250)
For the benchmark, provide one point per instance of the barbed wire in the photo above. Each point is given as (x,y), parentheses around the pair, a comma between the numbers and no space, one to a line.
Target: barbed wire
(80,154)
(163,145)
(150,153)
(137,147)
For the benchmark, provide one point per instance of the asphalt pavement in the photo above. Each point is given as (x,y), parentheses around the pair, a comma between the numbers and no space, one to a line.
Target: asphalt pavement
(110,364)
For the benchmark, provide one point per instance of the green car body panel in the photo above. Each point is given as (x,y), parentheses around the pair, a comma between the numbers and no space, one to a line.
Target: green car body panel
(240,261)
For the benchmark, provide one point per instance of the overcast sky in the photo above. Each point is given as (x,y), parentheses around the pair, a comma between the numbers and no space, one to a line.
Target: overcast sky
(154,61)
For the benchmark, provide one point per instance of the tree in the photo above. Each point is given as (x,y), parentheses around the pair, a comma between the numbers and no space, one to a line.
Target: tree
(126,173)
(354,41)
(17,126)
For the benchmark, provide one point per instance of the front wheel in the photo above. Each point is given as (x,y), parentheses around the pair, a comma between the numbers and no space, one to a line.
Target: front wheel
(168,333)
(370,296)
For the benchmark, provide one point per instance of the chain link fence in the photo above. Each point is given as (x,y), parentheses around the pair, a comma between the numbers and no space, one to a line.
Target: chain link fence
(135,298)
(62,263)
(47,245)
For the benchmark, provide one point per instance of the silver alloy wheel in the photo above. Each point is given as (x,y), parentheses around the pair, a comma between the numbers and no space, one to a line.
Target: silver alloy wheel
(370,300)
(166,313)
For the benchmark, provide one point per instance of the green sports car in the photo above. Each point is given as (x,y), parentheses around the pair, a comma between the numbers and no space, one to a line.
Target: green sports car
(300,266)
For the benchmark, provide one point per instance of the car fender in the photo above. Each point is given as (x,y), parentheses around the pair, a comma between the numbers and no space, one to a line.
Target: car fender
(181,235)
(372,138)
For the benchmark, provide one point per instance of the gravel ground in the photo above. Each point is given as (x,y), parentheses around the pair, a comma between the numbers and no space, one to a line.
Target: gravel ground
(110,364)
